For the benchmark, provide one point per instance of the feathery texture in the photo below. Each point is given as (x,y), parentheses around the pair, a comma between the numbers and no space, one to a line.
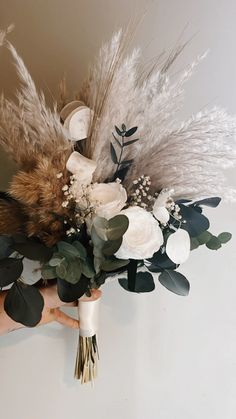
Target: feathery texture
(187,157)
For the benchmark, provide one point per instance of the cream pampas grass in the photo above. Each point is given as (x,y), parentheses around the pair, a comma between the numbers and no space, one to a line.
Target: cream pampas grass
(189,157)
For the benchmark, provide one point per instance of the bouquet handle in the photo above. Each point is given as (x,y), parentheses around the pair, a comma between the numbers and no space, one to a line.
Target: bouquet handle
(87,352)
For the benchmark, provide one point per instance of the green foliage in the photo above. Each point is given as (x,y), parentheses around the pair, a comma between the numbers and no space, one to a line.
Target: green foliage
(24,304)
(122,165)
(32,249)
(174,282)
(224,237)
(212,242)
(112,229)
(5,246)
(10,270)
(69,292)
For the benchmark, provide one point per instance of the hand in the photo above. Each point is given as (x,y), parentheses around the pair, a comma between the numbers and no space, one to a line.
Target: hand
(51,312)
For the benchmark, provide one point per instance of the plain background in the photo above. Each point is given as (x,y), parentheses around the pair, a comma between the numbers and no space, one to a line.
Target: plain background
(162,356)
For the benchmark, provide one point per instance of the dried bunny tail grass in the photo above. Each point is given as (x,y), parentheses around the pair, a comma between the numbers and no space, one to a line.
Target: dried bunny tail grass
(12,217)
(191,158)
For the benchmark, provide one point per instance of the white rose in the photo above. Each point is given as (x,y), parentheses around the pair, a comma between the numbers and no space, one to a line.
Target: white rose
(107,198)
(143,237)
(178,246)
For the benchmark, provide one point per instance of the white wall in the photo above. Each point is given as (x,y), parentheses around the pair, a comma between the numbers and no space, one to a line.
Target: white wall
(162,356)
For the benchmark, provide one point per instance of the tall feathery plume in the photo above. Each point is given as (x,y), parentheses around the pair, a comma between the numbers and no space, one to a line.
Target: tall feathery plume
(169,154)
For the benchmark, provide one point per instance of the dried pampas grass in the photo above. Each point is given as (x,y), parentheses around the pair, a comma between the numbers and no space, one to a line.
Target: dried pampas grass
(188,157)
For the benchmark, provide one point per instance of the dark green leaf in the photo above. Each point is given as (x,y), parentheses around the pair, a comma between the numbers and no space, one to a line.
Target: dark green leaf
(127,162)
(55,261)
(33,250)
(113,264)
(5,246)
(111,247)
(209,202)
(121,173)
(81,249)
(159,262)
(119,132)
(195,223)
(214,243)
(113,154)
(67,249)
(204,237)
(24,304)
(194,243)
(175,282)
(224,237)
(117,226)
(117,141)
(61,270)
(143,283)
(131,131)
(88,269)
(73,271)
(71,292)
(48,272)
(130,142)
(10,270)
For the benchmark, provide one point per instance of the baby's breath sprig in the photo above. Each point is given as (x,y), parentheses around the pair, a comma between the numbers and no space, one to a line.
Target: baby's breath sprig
(141,195)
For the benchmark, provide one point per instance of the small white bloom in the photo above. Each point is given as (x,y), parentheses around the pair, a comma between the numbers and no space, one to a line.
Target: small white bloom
(65,188)
(178,246)
(108,199)
(143,237)
(160,211)
(59,175)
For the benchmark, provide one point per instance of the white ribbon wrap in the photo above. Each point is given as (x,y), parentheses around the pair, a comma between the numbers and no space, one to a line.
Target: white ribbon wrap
(88,316)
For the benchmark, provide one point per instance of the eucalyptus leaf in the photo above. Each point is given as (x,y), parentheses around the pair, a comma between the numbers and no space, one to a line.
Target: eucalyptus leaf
(224,237)
(48,272)
(214,243)
(61,270)
(194,243)
(5,246)
(81,249)
(67,249)
(160,261)
(174,282)
(24,304)
(194,222)
(33,250)
(55,261)
(131,131)
(113,264)
(111,246)
(73,271)
(113,154)
(72,292)
(100,224)
(119,132)
(10,270)
(130,142)
(209,202)
(88,269)
(117,226)
(204,237)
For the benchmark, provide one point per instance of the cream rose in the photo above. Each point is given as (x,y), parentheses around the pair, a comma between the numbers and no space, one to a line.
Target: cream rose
(108,199)
(143,237)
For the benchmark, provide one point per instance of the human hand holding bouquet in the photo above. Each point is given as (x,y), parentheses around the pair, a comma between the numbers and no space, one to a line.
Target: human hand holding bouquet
(110,184)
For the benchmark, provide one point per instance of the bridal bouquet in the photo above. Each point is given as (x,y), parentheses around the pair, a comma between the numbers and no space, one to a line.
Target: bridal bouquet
(107,184)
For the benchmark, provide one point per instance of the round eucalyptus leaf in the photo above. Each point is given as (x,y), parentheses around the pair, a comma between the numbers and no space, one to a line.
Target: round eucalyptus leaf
(33,250)
(111,247)
(10,270)
(61,270)
(73,271)
(117,227)
(5,246)
(71,292)
(48,272)
(174,282)
(24,304)
(113,264)
(224,237)
(214,243)
(209,202)
(193,222)
(67,249)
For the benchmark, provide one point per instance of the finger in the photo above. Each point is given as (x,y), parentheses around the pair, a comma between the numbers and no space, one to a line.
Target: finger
(65,320)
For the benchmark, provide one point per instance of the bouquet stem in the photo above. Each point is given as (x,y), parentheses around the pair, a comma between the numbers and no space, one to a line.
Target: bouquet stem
(87,352)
